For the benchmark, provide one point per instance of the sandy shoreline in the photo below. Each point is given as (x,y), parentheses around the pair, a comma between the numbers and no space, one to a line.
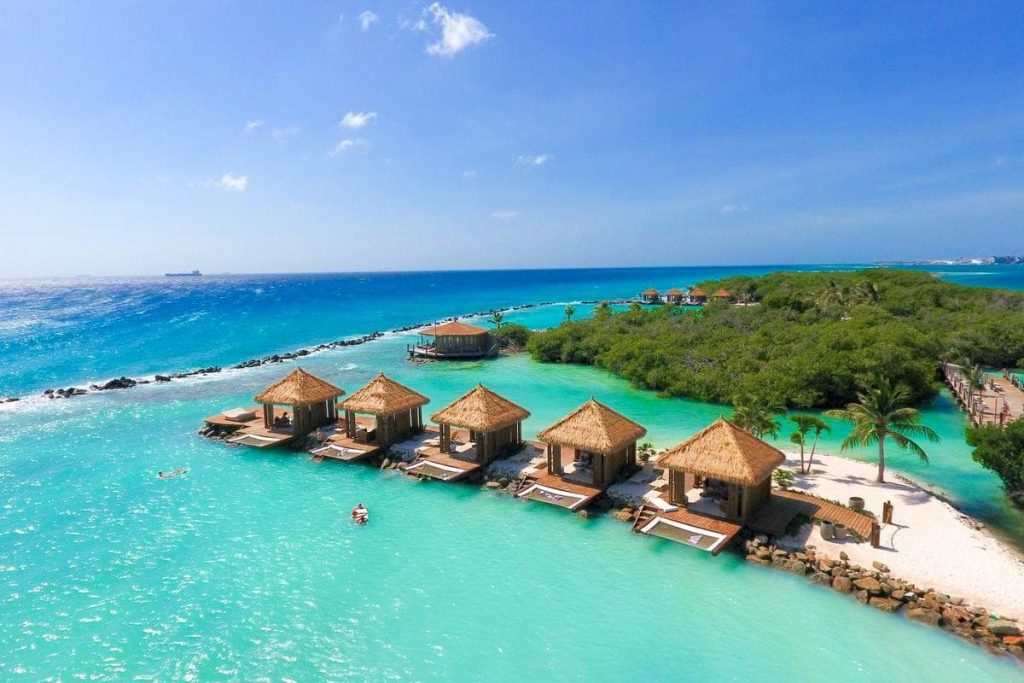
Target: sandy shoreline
(930,543)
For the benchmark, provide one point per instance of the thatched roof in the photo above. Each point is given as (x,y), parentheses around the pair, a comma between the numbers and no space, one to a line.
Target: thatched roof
(299,388)
(651,292)
(481,410)
(383,396)
(674,292)
(453,329)
(593,427)
(724,451)
(722,294)
(697,291)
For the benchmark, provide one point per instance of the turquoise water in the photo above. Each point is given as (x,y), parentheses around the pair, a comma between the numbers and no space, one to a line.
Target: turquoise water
(246,569)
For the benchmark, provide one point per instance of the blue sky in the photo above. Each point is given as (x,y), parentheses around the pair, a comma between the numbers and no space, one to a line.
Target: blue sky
(311,136)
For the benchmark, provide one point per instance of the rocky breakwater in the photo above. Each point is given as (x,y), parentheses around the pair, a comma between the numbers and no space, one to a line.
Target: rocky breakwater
(876,587)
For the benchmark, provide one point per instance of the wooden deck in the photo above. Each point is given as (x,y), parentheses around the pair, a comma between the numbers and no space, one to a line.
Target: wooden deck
(554,490)
(252,432)
(689,528)
(784,506)
(433,464)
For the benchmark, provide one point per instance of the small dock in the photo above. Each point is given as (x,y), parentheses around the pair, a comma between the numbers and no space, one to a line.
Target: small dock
(999,402)
(683,526)
(247,428)
(554,490)
(431,463)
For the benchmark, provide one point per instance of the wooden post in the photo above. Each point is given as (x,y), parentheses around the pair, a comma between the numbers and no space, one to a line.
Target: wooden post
(876,535)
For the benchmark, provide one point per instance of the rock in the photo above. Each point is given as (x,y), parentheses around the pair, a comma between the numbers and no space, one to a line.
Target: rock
(842,584)
(385,464)
(623,515)
(821,579)
(885,604)
(162,378)
(942,597)
(862,596)
(583,514)
(790,565)
(763,553)
(925,616)
(880,566)
(757,560)
(1004,627)
(897,595)
(843,556)
(955,615)
(1012,640)
(492,485)
(761,539)
(868,584)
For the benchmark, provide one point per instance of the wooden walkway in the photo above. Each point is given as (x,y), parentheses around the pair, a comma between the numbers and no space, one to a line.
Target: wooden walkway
(1001,400)
(784,506)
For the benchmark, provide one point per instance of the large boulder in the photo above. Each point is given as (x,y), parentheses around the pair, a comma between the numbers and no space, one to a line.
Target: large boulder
(925,616)
(869,584)
(1004,627)
(842,584)
(792,566)
(885,604)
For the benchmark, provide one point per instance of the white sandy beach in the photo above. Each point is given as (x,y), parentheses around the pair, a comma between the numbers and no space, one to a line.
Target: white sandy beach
(930,543)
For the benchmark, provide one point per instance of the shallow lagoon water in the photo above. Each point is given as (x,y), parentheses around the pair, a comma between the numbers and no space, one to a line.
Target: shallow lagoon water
(246,568)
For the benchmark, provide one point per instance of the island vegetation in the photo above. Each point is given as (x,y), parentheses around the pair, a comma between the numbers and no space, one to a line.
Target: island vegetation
(798,340)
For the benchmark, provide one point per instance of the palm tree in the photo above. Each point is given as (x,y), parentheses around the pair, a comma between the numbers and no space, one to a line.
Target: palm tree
(975,377)
(883,412)
(570,311)
(804,425)
(497,319)
(757,416)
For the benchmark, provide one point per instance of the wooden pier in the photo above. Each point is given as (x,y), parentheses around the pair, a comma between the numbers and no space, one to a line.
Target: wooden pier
(1000,401)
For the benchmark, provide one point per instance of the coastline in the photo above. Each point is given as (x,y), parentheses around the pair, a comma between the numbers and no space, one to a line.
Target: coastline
(930,543)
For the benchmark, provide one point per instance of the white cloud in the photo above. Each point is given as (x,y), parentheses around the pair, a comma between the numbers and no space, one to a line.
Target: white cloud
(367,19)
(469,173)
(458,31)
(347,144)
(255,124)
(534,159)
(354,119)
(231,182)
(289,131)
(735,208)
(504,214)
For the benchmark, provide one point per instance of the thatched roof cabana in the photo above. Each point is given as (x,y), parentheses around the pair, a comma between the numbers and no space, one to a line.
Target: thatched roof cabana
(494,422)
(599,431)
(674,292)
(733,463)
(721,294)
(697,292)
(725,452)
(384,396)
(595,428)
(313,401)
(481,410)
(397,408)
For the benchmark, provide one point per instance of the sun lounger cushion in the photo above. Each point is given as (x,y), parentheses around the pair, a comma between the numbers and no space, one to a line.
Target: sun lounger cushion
(240,414)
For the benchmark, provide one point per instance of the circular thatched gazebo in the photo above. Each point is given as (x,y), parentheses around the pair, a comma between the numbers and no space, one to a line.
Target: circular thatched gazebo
(454,339)
(313,402)
(397,410)
(597,434)
(495,423)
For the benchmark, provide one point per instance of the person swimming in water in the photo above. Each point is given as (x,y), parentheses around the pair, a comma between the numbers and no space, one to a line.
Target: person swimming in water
(360,515)
(173,473)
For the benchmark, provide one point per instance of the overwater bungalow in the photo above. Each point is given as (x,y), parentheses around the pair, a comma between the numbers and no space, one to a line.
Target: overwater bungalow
(475,429)
(698,297)
(719,481)
(454,340)
(674,296)
(586,451)
(291,408)
(397,413)
(650,296)
(722,295)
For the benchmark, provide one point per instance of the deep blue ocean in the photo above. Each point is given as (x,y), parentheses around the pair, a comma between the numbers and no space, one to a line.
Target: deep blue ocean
(245,569)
